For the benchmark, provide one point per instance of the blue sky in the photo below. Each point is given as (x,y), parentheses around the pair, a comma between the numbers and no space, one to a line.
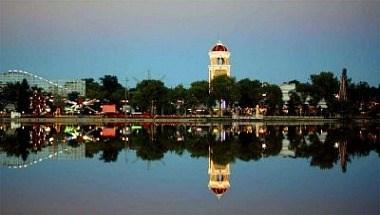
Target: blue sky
(273,41)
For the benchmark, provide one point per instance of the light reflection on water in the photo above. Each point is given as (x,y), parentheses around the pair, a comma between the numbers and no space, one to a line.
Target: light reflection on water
(190,169)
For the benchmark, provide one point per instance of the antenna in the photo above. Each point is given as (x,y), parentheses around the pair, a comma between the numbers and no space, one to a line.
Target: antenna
(126,88)
(136,79)
(149,75)
(162,77)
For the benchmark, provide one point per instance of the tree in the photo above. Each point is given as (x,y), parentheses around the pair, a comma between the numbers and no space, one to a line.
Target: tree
(113,91)
(360,97)
(150,94)
(110,89)
(199,94)
(178,98)
(304,91)
(293,103)
(93,89)
(110,83)
(324,85)
(73,96)
(18,94)
(273,98)
(23,101)
(249,92)
(224,88)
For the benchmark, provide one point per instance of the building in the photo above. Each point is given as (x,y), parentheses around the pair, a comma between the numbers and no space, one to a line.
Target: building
(219,61)
(75,86)
(286,89)
(61,88)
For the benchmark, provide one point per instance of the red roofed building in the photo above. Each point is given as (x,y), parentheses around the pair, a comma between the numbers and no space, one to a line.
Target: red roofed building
(219,61)
(109,108)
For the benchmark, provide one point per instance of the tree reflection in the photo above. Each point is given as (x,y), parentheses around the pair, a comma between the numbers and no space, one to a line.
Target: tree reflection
(325,146)
(17,145)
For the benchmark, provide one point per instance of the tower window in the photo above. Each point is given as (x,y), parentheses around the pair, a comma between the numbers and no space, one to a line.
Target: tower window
(220,61)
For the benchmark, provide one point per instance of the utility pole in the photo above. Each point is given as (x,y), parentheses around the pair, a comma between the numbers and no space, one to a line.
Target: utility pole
(126,89)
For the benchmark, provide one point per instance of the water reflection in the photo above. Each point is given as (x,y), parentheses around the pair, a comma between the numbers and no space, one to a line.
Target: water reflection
(324,146)
(219,176)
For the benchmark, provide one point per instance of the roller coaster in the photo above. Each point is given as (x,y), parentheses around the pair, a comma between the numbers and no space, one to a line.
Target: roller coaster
(55,87)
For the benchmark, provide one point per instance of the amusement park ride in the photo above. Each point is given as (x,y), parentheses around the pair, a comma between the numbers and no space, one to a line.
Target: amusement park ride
(76,107)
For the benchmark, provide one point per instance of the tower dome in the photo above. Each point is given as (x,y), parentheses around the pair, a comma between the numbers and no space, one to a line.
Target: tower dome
(219,47)
(218,191)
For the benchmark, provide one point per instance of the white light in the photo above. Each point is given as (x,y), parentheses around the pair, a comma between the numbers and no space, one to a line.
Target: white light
(336,145)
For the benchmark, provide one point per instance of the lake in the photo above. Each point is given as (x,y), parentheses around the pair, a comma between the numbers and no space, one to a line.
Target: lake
(190,169)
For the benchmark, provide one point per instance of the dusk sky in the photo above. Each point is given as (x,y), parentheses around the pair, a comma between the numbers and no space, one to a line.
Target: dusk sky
(273,41)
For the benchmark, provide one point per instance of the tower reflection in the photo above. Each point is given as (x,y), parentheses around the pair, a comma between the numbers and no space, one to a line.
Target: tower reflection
(218,176)
(218,172)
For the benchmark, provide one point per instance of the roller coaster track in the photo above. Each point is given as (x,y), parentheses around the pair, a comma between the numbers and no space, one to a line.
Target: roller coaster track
(64,152)
(33,80)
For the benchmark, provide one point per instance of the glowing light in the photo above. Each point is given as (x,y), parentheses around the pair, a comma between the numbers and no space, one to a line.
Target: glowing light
(336,145)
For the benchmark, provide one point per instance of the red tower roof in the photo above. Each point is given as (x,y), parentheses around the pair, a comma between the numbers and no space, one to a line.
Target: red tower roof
(219,47)
(219,191)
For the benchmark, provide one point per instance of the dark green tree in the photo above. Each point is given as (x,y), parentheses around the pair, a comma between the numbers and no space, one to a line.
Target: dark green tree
(73,96)
(273,98)
(199,94)
(110,83)
(150,96)
(23,99)
(93,89)
(224,88)
(324,86)
(17,94)
(178,99)
(249,92)
(113,91)
(294,103)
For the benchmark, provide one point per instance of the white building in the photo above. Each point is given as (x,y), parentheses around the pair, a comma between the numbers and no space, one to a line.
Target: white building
(286,89)
(56,87)
(219,61)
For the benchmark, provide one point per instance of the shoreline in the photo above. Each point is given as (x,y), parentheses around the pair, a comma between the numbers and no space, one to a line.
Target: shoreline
(189,119)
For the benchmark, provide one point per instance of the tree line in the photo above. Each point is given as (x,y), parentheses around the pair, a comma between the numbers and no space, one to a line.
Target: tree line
(153,96)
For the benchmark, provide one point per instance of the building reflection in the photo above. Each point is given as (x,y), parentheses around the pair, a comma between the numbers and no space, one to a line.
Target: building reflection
(218,176)
(343,156)
(286,151)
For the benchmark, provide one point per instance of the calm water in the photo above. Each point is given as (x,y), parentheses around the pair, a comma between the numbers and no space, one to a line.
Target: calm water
(190,169)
